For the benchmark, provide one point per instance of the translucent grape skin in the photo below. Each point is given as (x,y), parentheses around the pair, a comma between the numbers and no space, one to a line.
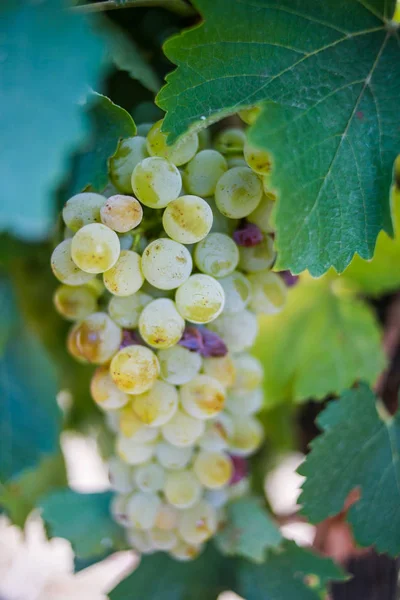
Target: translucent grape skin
(213,469)
(203,397)
(130,426)
(104,391)
(97,338)
(203,171)
(238,193)
(198,523)
(230,141)
(121,213)
(157,406)
(173,457)
(200,299)
(142,509)
(134,369)
(238,330)
(216,255)
(257,258)
(166,264)
(74,302)
(149,477)
(249,372)
(178,365)
(95,248)
(238,292)
(156,182)
(133,453)
(160,324)
(221,368)
(125,277)
(64,267)
(188,219)
(182,489)
(82,209)
(129,153)
(125,311)
(183,430)
(269,293)
(179,153)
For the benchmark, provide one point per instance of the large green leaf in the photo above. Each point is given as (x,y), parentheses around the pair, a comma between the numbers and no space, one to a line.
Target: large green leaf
(281,577)
(320,344)
(359,448)
(83,519)
(329,73)
(49,59)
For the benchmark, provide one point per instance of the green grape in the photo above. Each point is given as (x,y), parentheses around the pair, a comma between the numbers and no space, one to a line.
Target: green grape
(244,402)
(126,310)
(121,213)
(188,219)
(129,153)
(247,437)
(203,171)
(179,153)
(198,523)
(134,369)
(236,161)
(221,368)
(74,302)
(96,286)
(230,141)
(173,457)
(216,255)
(64,267)
(182,489)
(218,433)
(259,161)
(166,264)
(95,248)
(125,277)
(250,115)
(104,391)
(130,426)
(167,517)
(98,338)
(213,469)
(156,182)
(183,430)
(142,509)
(269,293)
(259,257)
(238,193)
(249,372)
(157,406)
(204,139)
(237,289)
(120,475)
(178,365)
(184,552)
(261,216)
(82,209)
(163,540)
(238,330)
(133,453)
(203,397)
(149,477)
(160,324)
(200,299)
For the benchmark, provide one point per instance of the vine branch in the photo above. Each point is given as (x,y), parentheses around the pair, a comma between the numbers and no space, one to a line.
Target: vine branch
(180,7)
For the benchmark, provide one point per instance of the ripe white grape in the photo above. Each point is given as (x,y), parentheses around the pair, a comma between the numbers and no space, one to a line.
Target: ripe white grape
(82,209)
(249,372)
(173,457)
(218,432)
(261,216)
(121,213)
(230,141)
(163,540)
(213,469)
(64,267)
(74,302)
(167,517)
(183,430)
(72,344)
(220,223)
(198,523)
(149,477)
(182,489)
(130,426)
(203,397)
(119,511)
(157,406)
(259,161)
(203,171)
(125,277)
(200,299)
(126,310)
(221,368)
(95,248)
(129,153)
(216,255)
(247,437)
(96,286)
(178,365)
(166,264)
(120,475)
(140,540)
(104,391)
(134,369)
(156,182)
(179,153)
(244,402)
(97,338)
(259,257)
(188,219)
(237,290)
(133,454)
(142,509)
(236,160)
(269,293)
(160,324)
(238,330)
(238,193)
(184,552)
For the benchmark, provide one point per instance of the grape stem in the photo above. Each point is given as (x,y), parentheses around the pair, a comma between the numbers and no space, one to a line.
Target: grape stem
(180,7)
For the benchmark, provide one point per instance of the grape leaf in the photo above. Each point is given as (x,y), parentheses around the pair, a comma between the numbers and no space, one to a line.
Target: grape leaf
(248,530)
(359,447)
(108,123)
(281,577)
(329,74)
(49,58)
(19,495)
(83,519)
(320,344)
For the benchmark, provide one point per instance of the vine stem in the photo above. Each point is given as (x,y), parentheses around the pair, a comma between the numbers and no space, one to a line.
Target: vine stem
(180,7)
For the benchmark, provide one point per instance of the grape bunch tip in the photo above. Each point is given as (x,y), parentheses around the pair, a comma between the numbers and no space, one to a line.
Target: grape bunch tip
(163,281)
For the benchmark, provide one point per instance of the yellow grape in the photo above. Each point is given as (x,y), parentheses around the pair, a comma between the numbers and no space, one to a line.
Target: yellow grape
(95,248)
(213,469)
(74,302)
(104,391)
(64,267)
(125,277)
(98,338)
(134,369)
(221,368)
(121,213)
(188,219)
(157,406)
(203,397)
(179,153)
(200,299)
(160,324)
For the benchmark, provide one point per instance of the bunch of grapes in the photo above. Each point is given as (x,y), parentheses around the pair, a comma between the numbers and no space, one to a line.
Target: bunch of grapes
(163,281)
